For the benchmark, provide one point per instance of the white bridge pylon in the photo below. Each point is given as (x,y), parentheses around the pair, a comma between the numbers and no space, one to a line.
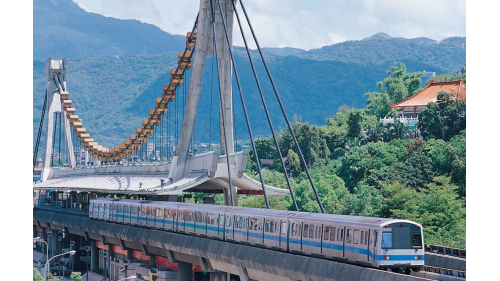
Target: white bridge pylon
(182,174)
(204,47)
(55,76)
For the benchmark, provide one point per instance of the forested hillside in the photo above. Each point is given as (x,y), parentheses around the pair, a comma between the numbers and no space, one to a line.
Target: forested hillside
(113,85)
(62,29)
(447,54)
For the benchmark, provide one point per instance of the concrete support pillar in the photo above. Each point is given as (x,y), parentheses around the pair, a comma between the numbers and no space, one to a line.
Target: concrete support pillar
(184,271)
(76,256)
(55,244)
(111,257)
(152,260)
(130,254)
(94,256)
(219,276)
(44,236)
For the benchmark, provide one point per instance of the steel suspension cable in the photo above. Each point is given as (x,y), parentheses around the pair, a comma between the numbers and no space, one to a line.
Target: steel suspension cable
(222,107)
(266,110)
(211,97)
(244,110)
(40,128)
(53,141)
(283,110)
(60,133)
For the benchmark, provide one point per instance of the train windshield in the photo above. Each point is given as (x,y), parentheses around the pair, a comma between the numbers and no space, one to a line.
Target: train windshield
(387,240)
(416,240)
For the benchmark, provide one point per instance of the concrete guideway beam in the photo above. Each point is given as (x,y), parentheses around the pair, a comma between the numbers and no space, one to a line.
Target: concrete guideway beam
(260,264)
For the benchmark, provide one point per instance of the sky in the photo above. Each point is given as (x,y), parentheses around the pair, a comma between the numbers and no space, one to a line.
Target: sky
(305,24)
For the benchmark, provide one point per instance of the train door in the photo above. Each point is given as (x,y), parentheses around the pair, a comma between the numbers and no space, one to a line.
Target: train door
(342,238)
(284,234)
(144,215)
(229,227)
(159,219)
(220,227)
(372,247)
(180,221)
(295,237)
(134,214)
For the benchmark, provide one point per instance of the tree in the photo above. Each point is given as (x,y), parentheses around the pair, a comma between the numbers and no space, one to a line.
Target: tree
(442,212)
(378,104)
(354,124)
(37,276)
(76,276)
(444,119)
(400,202)
(399,84)
(293,163)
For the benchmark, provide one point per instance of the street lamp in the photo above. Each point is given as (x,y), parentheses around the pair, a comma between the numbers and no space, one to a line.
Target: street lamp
(38,239)
(47,263)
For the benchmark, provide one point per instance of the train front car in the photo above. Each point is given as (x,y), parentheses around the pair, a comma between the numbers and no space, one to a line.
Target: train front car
(401,246)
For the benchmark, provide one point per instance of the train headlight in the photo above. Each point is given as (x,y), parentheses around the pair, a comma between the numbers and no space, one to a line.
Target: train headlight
(418,257)
(386,257)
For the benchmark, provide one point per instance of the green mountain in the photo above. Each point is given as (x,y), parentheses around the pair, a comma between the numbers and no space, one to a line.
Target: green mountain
(379,49)
(62,29)
(113,85)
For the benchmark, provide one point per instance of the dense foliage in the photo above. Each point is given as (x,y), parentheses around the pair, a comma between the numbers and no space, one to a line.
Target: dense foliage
(361,167)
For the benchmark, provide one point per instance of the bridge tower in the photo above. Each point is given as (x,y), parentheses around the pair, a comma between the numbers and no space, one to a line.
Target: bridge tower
(204,47)
(55,77)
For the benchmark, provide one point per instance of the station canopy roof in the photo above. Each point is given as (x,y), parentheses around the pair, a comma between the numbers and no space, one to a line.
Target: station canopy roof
(153,184)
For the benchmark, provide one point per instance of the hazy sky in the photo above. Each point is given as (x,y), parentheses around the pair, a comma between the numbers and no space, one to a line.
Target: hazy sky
(305,24)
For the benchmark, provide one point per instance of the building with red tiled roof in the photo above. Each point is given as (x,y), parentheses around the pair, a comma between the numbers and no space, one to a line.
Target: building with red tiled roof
(413,105)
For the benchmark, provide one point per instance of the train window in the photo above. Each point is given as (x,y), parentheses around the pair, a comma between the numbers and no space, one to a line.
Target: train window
(348,236)
(332,233)
(362,241)
(386,240)
(311,231)
(293,230)
(341,235)
(271,227)
(159,212)
(355,237)
(228,221)
(306,230)
(267,226)
(366,238)
(416,240)
(327,232)
(284,228)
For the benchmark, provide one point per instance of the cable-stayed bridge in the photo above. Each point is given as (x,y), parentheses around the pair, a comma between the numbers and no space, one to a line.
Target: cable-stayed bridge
(158,161)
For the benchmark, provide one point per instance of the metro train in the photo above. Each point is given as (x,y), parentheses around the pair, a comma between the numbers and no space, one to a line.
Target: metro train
(383,243)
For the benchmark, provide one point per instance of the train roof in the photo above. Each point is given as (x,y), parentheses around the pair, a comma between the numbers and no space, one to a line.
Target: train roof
(351,219)
(374,221)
